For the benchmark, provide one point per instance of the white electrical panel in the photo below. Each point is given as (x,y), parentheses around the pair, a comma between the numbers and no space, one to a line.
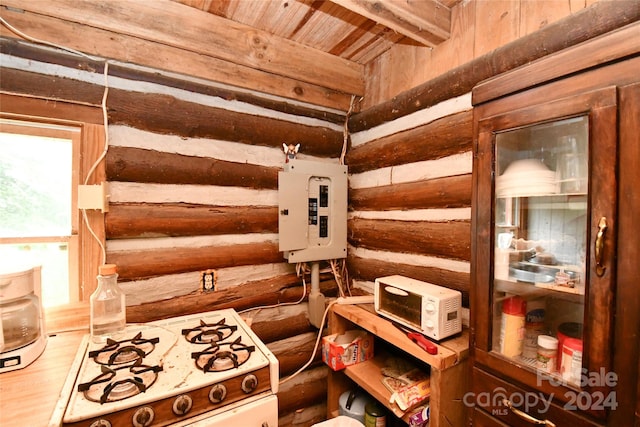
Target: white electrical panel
(312,206)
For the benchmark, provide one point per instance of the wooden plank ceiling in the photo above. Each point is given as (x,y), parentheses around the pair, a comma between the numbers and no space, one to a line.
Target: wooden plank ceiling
(356,30)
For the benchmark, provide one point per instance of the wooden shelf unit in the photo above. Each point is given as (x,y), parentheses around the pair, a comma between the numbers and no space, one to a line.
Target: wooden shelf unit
(449,376)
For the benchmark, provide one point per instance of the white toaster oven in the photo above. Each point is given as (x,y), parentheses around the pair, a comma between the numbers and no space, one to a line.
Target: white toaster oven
(433,310)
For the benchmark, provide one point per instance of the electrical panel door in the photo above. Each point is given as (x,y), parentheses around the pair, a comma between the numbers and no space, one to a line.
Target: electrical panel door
(312,210)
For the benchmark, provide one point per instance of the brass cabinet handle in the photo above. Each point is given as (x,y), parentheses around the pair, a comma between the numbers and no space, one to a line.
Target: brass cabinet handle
(526,416)
(599,246)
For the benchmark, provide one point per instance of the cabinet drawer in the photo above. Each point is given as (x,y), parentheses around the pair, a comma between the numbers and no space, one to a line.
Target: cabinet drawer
(482,419)
(488,392)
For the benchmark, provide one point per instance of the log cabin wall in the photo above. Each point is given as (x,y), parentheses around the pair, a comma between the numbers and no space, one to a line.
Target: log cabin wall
(410,195)
(192,174)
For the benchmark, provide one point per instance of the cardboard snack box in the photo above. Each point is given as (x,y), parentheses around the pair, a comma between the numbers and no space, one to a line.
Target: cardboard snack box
(349,348)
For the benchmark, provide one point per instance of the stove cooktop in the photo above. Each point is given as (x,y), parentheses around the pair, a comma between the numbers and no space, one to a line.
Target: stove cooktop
(177,358)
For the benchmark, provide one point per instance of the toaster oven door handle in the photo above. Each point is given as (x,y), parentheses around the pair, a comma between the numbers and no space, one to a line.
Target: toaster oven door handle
(396,291)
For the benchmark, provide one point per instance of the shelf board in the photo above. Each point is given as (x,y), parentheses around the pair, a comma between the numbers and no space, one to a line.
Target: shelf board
(534,290)
(368,376)
(450,351)
(562,289)
(448,376)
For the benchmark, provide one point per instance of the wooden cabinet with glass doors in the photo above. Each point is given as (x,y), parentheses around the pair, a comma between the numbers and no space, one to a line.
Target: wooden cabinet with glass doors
(547,237)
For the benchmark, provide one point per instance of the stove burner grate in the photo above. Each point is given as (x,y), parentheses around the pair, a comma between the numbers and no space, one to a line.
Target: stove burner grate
(119,383)
(221,356)
(209,333)
(125,351)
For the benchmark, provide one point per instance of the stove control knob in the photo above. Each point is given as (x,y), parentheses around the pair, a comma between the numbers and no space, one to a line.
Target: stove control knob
(249,383)
(218,393)
(182,404)
(143,417)
(100,423)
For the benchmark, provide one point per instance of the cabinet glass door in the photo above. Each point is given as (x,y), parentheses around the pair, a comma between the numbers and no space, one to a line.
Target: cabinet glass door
(540,246)
(543,254)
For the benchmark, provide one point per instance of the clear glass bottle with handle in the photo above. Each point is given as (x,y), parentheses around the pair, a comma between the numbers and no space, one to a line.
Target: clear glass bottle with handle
(108,309)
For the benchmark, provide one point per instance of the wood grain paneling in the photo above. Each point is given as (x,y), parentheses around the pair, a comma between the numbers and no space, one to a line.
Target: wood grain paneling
(597,19)
(199,33)
(497,23)
(191,67)
(627,295)
(64,110)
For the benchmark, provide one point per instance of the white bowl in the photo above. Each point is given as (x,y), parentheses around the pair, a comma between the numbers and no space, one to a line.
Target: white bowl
(526,177)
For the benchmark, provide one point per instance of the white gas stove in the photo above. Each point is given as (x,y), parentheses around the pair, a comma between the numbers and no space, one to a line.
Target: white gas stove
(206,369)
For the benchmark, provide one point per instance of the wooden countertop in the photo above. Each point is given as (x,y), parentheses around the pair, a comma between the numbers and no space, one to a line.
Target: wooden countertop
(28,396)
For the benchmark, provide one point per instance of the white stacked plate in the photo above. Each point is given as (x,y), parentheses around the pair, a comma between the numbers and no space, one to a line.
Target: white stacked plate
(528,177)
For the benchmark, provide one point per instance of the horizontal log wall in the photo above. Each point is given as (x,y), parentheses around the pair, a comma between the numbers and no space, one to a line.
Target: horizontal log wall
(193,178)
(410,197)
(199,193)
(289,335)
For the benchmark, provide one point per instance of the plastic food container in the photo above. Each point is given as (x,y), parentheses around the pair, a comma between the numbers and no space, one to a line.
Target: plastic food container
(571,363)
(547,353)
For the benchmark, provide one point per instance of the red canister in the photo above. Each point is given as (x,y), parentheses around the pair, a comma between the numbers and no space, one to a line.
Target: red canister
(571,364)
(567,330)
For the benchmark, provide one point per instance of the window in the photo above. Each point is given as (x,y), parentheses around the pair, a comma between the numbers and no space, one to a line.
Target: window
(60,123)
(38,215)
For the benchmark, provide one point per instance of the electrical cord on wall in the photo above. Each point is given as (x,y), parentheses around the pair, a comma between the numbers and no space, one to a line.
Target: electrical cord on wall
(345,133)
(339,270)
(299,266)
(105,121)
(104,114)
(44,42)
(301,269)
(315,348)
